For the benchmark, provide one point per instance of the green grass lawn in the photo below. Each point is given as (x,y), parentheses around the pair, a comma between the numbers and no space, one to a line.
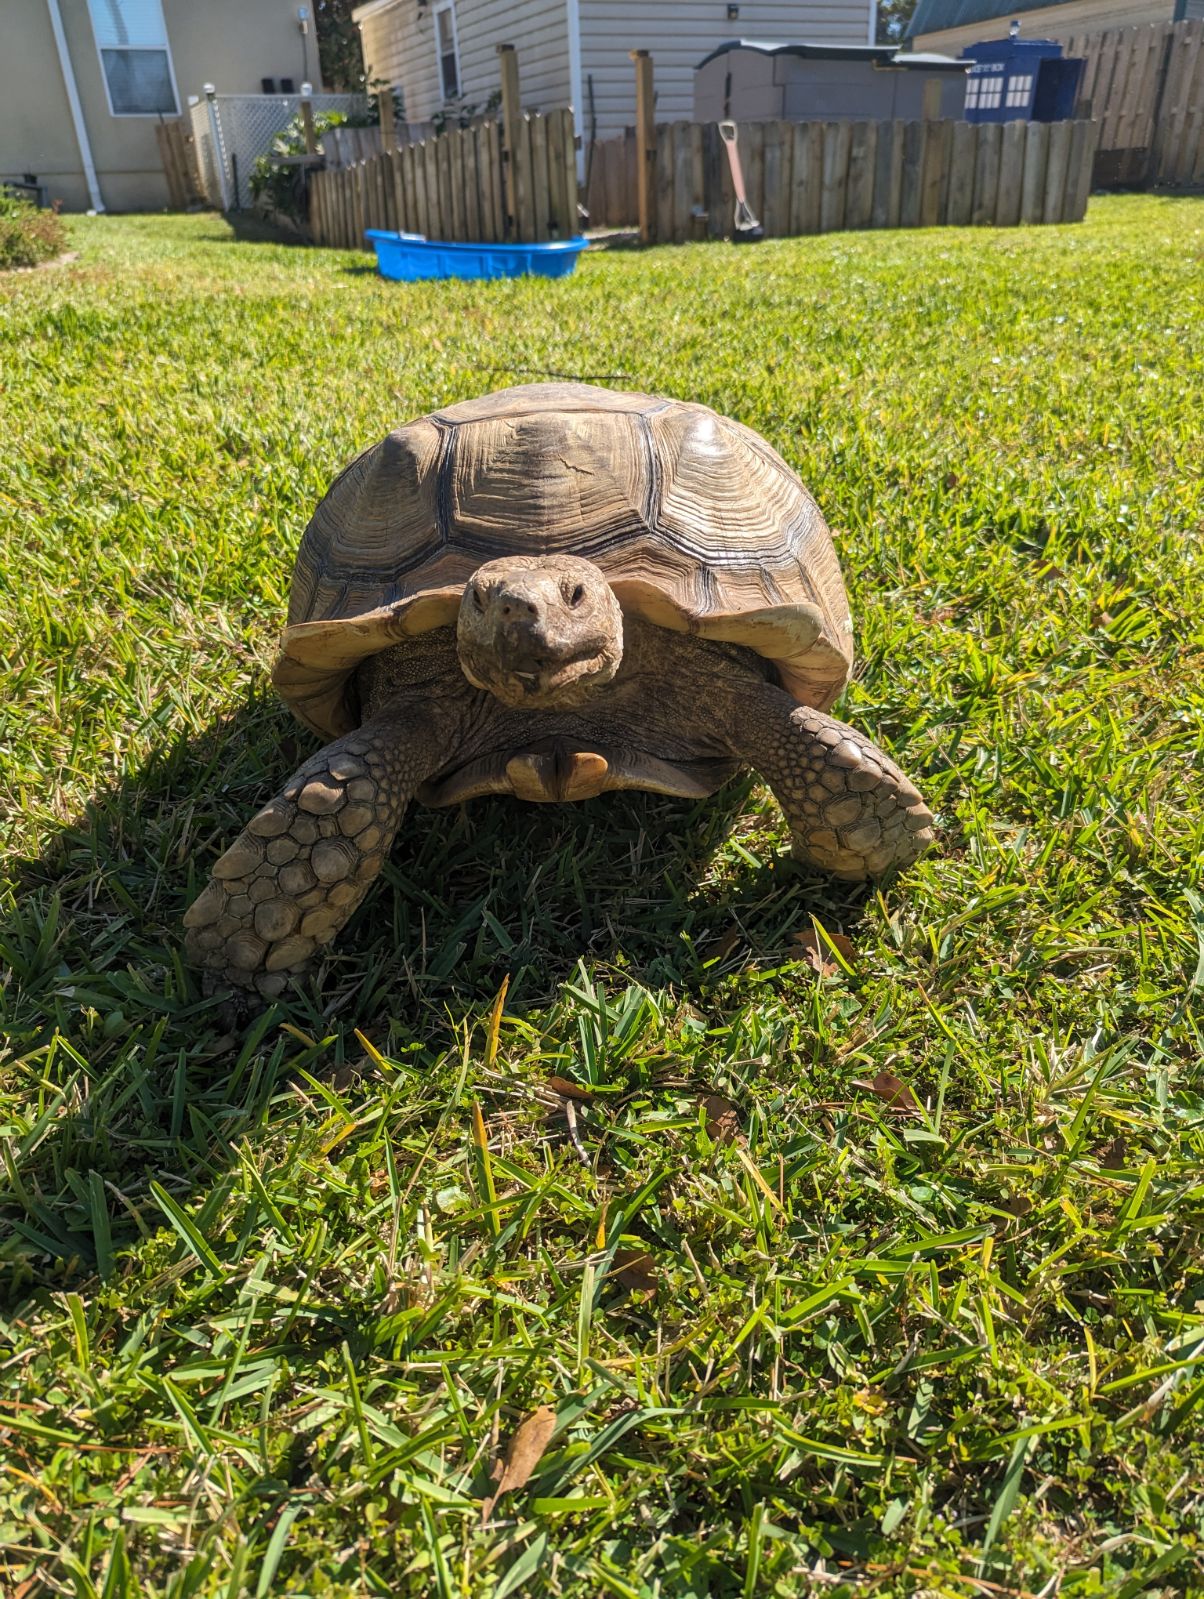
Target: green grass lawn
(273,1310)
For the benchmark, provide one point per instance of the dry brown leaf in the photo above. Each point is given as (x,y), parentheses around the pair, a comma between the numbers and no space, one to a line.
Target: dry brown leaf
(524,1452)
(723,1119)
(567,1089)
(729,942)
(1114,1156)
(894,1094)
(634,1269)
(951,480)
(819,957)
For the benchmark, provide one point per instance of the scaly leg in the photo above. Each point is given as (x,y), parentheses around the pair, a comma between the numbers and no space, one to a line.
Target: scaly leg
(851,810)
(297,871)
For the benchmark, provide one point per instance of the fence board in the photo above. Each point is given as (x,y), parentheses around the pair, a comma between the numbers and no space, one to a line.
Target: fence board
(1082,158)
(937,139)
(537,130)
(806,177)
(986,173)
(1036,161)
(888,173)
(963,157)
(914,138)
(1011,173)
(1057,171)
(837,138)
(682,175)
(777,150)
(859,202)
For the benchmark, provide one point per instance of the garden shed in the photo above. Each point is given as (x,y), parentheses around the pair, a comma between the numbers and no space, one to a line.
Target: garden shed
(745,80)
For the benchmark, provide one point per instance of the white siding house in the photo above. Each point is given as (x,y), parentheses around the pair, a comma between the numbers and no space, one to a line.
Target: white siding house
(577,52)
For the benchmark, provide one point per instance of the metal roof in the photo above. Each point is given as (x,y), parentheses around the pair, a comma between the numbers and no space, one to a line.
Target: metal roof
(933,16)
(887,55)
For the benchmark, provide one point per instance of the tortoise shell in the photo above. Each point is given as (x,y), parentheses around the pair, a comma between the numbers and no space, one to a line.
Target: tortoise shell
(698,525)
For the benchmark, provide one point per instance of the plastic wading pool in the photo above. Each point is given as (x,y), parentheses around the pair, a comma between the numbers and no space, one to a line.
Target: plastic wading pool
(409,257)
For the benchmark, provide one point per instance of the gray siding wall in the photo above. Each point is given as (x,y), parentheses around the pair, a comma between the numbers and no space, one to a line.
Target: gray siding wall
(679,33)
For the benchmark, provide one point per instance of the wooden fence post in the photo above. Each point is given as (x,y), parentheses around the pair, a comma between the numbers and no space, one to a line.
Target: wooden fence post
(512,113)
(307,122)
(645,143)
(384,107)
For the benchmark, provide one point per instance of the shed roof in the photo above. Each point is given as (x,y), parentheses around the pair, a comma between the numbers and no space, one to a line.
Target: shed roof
(933,16)
(887,55)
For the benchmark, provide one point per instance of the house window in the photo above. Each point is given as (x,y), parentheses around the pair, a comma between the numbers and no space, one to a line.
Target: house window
(131,37)
(449,56)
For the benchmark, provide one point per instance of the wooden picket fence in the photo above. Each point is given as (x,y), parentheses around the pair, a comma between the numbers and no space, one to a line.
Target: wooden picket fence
(818,177)
(1145,88)
(462,186)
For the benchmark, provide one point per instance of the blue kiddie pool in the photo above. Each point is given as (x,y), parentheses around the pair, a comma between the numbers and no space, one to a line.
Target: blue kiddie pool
(409,257)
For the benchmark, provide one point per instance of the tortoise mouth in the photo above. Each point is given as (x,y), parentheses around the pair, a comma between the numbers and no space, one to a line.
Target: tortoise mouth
(537,685)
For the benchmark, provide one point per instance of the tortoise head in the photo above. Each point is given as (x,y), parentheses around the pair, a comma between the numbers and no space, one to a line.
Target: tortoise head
(540,632)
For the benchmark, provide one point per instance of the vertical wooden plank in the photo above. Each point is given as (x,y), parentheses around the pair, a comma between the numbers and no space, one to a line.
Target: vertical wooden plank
(1057,170)
(572,192)
(512,131)
(887,158)
(773,152)
(1011,174)
(556,206)
(911,192)
(959,191)
(806,177)
(1036,156)
(497,183)
(434,207)
(663,196)
(938,142)
(540,201)
(698,218)
(646,145)
(986,173)
(835,176)
(399,194)
(930,105)
(380,191)
(863,149)
(526,180)
(1078,181)
(314,195)
(683,172)
(470,179)
(1188,145)
(361,205)
(714,161)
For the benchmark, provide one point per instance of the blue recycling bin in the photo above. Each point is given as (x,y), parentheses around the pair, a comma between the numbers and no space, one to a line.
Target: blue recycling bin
(1026,80)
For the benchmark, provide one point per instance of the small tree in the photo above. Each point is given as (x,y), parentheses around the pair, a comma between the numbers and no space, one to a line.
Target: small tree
(339,49)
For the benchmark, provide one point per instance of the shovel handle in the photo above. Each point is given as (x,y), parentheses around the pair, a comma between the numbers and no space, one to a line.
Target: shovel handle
(727,132)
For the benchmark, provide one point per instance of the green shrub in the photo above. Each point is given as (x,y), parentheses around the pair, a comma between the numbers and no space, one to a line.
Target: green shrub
(27,234)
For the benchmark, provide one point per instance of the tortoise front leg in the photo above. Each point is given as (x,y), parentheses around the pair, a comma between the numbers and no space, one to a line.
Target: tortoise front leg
(851,810)
(297,871)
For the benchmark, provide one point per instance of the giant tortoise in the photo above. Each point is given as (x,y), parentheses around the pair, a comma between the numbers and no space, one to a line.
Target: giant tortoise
(550,592)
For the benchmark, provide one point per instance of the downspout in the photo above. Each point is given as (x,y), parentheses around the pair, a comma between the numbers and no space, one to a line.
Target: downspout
(77,110)
(573,17)
(873,36)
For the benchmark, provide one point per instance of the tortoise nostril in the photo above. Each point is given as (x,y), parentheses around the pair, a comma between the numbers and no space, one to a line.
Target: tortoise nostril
(532,610)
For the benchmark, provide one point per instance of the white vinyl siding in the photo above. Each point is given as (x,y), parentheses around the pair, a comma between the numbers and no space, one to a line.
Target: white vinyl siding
(679,35)
(400,47)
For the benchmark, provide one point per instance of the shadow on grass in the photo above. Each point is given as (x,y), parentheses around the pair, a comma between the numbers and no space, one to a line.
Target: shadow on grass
(136,1078)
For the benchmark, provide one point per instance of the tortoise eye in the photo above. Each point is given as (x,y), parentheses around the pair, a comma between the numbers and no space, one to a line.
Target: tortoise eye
(477,600)
(578,594)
